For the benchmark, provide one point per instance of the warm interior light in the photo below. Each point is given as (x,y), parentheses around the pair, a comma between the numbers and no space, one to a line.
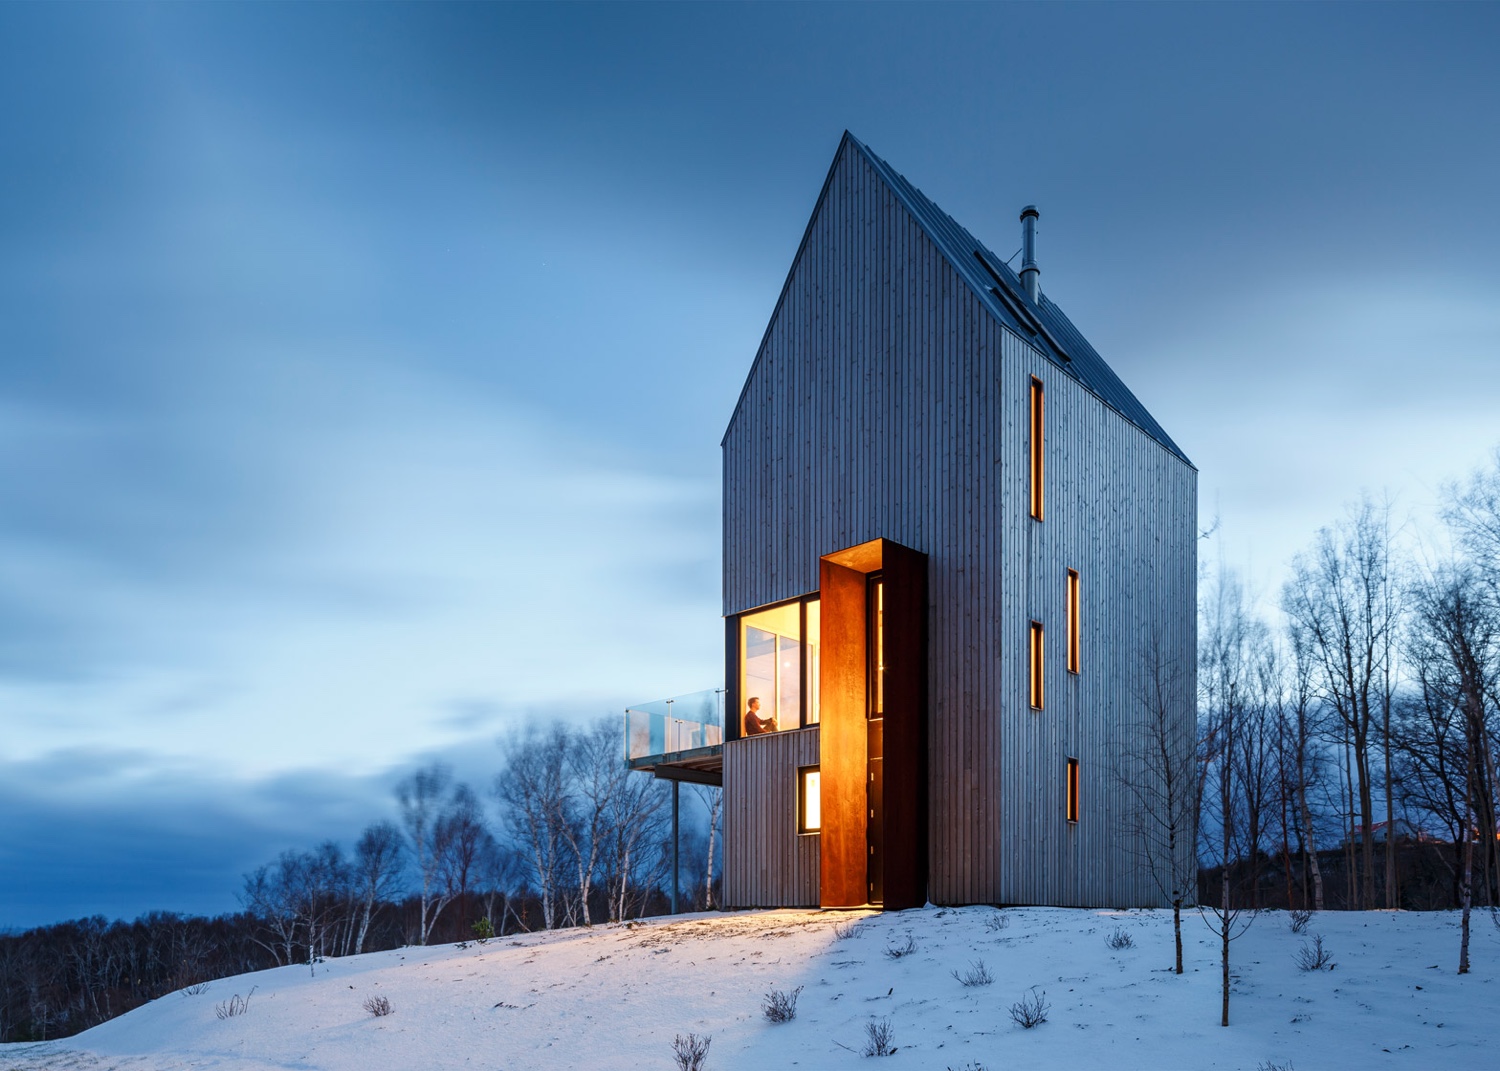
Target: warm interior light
(1036,664)
(1072,790)
(1037,443)
(812,800)
(1075,658)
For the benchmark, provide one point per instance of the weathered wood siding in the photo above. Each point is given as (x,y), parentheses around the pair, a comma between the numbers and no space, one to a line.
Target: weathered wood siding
(767,863)
(886,401)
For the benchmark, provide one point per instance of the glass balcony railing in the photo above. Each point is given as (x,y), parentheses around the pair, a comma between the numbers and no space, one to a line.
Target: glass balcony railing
(682,723)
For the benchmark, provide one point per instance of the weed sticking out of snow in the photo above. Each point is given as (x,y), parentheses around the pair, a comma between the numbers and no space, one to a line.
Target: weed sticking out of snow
(378,1006)
(780,1005)
(901,948)
(1271,1066)
(845,930)
(235,1005)
(996,922)
(1031,1010)
(880,1038)
(690,1051)
(197,989)
(1314,957)
(1120,940)
(977,974)
(1298,920)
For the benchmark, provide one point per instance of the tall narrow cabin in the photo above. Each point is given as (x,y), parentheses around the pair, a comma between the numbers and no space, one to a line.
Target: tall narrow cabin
(957,552)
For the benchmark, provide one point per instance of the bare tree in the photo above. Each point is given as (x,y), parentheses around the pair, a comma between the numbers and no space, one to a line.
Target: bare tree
(1224,664)
(270,896)
(636,832)
(377,872)
(596,773)
(460,840)
(1303,758)
(421,798)
(531,791)
(1158,772)
(712,798)
(1342,597)
(1460,620)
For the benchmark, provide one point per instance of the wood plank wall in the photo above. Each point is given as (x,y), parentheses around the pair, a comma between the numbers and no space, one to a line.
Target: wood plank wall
(767,863)
(886,401)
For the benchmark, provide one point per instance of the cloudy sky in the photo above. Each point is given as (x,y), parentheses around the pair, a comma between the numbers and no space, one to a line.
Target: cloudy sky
(363,369)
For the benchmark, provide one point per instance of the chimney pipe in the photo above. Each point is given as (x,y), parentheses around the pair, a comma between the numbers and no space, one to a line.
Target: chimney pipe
(1031,275)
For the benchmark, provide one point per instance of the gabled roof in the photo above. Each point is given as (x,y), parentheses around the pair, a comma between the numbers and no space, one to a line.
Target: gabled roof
(999,290)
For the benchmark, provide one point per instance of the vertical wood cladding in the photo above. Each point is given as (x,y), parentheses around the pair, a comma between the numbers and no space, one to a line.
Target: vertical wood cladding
(886,401)
(767,863)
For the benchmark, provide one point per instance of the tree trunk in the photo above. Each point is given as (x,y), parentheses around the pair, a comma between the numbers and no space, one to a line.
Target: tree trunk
(1466,890)
(1392,899)
(1177,930)
(1224,948)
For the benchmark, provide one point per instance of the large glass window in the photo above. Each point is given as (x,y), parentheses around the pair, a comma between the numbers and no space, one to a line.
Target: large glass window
(779,665)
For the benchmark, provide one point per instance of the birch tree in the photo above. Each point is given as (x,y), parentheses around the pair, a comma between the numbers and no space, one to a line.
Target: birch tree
(531,791)
(1158,772)
(377,873)
(421,799)
(1341,596)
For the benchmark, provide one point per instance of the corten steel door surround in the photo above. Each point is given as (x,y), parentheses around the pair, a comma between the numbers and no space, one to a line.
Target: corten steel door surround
(846,844)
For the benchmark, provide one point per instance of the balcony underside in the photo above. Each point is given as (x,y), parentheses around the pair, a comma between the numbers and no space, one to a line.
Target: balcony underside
(699,765)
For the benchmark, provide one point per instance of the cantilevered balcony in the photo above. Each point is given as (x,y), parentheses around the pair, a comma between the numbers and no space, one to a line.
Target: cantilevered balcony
(680,739)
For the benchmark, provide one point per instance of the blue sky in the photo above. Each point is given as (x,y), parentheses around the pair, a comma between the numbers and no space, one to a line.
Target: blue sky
(363,369)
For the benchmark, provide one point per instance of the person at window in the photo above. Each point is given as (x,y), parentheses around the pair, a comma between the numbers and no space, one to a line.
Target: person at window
(754,723)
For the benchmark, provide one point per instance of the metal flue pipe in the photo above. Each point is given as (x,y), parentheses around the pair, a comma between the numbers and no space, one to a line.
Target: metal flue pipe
(1031,275)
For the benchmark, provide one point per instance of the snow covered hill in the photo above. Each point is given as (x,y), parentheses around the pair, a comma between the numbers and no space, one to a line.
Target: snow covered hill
(615,996)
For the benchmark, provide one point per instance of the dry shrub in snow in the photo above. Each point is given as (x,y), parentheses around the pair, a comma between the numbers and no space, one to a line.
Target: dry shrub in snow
(1120,940)
(378,1006)
(781,1006)
(845,930)
(1315,957)
(1269,1066)
(972,1065)
(691,1051)
(235,1005)
(905,948)
(196,989)
(977,974)
(879,1038)
(1299,920)
(1031,1010)
(996,922)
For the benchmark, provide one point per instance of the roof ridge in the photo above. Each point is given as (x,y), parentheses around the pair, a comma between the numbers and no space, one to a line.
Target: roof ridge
(1067,347)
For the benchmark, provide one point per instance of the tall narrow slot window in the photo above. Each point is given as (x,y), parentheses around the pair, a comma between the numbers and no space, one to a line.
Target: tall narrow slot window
(1038,441)
(1036,665)
(1074,646)
(1072,790)
(813,651)
(809,800)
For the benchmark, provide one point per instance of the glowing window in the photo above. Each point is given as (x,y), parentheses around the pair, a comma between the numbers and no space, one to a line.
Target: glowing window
(809,800)
(1072,790)
(1036,665)
(1075,658)
(779,667)
(1037,443)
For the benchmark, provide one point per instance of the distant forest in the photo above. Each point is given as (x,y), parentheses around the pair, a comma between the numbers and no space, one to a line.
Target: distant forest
(1345,758)
(579,839)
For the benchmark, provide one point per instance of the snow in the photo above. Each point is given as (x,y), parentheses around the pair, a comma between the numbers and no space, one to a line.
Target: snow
(614,996)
